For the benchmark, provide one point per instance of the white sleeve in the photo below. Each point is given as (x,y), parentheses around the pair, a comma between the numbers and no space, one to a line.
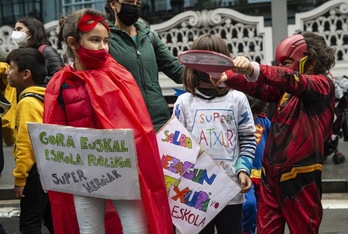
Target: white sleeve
(178,111)
(256,72)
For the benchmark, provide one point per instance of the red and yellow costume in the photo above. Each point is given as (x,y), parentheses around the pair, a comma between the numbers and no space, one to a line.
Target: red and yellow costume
(292,162)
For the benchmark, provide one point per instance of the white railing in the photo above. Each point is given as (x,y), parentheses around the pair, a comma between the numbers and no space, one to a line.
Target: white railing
(243,34)
(331,21)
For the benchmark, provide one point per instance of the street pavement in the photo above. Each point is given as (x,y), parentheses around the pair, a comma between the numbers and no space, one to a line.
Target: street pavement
(335,197)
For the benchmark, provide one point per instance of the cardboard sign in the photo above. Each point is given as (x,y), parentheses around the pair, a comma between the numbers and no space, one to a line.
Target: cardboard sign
(177,149)
(196,185)
(83,161)
(200,194)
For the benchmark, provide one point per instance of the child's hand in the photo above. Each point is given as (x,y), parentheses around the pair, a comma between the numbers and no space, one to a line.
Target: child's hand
(18,190)
(220,81)
(242,65)
(245,182)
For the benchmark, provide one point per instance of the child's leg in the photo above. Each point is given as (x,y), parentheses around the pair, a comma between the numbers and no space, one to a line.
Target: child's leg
(90,214)
(304,212)
(249,211)
(33,204)
(209,228)
(132,216)
(2,230)
(47,217)
(2,160)
(269,216)
(230,220)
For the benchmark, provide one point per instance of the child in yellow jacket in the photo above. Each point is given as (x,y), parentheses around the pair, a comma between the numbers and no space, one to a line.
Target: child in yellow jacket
(27,73)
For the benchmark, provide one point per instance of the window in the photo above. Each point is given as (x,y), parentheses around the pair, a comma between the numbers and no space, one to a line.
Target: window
(73,5)
(10,11)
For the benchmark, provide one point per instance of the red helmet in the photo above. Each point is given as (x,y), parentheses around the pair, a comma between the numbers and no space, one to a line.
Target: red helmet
(293,47)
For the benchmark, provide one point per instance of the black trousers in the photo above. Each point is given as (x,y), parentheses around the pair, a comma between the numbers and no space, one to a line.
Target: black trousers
(2,161)
(2,230)
(228,221)
(35,206)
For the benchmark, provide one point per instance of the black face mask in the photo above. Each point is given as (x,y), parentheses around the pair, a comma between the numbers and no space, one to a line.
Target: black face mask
(202,76)
(129,14)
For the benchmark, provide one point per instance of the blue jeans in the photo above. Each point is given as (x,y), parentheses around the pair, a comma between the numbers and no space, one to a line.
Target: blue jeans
(250,211)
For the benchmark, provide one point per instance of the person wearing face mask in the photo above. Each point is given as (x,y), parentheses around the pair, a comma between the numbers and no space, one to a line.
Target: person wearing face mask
(142,53)
(30,32)
(97,92)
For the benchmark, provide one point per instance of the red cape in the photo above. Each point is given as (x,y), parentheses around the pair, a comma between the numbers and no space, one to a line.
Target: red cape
(118,103)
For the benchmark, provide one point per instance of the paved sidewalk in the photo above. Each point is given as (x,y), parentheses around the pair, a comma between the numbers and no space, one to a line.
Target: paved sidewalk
(335,176)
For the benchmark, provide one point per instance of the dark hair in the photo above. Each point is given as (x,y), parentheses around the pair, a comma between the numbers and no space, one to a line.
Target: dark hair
(205,42)
(31,59)
(68,26)
(110,12)
(37,32)
(320,55)
(257,106)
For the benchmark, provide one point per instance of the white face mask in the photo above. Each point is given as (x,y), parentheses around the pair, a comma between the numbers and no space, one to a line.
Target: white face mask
(19,38)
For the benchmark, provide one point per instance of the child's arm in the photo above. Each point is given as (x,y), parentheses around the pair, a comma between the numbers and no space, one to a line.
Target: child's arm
(244,76)
(247,143)
(178,110)
(23,153)
(274,81)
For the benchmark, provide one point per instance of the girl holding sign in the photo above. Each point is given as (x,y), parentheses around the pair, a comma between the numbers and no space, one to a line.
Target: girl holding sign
(220,120)
(97,92)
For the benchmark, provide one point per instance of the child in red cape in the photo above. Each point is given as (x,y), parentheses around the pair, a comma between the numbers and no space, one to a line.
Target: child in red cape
(97,92)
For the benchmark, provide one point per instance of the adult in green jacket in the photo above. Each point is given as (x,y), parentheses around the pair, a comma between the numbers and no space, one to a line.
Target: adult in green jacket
(3,55)
(142,52)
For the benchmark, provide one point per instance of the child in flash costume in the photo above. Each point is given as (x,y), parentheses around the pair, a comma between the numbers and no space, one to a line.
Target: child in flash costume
(291,190)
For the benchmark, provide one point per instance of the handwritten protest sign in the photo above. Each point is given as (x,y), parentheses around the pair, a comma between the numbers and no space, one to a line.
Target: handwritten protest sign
(177,149)
(89,162)
(198,188)
(200,194)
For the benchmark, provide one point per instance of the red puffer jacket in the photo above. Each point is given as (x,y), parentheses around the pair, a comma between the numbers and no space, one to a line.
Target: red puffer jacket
(75,105)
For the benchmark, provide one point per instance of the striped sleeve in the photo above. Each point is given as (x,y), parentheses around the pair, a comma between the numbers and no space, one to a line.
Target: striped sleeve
(247,144)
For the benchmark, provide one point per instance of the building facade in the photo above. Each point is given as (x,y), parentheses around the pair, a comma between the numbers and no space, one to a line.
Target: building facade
(244,34)
(153,11)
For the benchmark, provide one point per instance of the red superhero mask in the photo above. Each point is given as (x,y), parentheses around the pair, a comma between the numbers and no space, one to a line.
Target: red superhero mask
(88,22)
(293,47)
